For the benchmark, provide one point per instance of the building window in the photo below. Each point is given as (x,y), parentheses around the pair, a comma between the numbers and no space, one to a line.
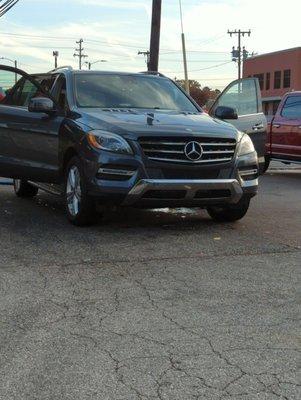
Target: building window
(287,78)
(266,108)
(260,77)
(267,81)
(275,106)
(277,80)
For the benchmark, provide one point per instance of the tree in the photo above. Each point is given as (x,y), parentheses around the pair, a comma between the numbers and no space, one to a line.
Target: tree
(201,96)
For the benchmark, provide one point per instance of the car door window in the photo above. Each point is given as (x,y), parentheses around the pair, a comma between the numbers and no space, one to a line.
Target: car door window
(11,85)
(28,91)
(18,91)
(292,108)
(60,92)
(240,95)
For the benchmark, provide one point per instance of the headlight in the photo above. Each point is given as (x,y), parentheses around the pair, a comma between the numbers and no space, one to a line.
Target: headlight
(109,141)
(245,146)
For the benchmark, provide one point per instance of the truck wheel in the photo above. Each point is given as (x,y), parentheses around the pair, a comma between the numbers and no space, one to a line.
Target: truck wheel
(230,212)
(24,189)
(80,208)
(267,161)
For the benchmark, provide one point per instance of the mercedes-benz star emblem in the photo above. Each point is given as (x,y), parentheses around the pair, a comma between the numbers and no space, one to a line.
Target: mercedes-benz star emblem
(193,151)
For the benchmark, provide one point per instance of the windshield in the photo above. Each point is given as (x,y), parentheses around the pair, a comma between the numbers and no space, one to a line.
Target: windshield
(130,91)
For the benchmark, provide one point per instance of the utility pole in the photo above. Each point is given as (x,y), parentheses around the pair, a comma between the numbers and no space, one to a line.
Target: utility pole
(187,88)
(146,54)
(240,33)
(155,36)
(79,52)
(55,55)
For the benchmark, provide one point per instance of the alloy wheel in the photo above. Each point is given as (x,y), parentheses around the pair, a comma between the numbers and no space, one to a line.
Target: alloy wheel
(73,191)
(17,185)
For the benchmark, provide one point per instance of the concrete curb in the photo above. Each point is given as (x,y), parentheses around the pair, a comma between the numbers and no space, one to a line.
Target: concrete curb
(6,182)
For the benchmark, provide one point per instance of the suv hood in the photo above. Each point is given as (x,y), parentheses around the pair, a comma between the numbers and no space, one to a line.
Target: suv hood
(135,123)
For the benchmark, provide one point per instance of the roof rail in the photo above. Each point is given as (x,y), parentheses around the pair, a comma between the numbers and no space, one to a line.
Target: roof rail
(68,67)
(153,73)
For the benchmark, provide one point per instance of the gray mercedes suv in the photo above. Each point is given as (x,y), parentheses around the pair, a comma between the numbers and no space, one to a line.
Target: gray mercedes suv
(130,139)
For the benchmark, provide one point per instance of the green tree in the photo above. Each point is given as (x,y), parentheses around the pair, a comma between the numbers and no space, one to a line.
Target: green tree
(199,94)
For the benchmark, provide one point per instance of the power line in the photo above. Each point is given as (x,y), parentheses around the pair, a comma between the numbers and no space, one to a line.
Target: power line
(6,6)
(120,44)
(192,61)
(206,68)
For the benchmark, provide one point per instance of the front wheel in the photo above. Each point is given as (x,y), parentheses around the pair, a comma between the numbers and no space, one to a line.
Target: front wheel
(24,189)
(230,212)
(80,207)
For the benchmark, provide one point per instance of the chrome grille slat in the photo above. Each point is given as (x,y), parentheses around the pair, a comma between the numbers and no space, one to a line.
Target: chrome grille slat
(219,152)
(163,151)
(164,143)
(217,160)
(171,149)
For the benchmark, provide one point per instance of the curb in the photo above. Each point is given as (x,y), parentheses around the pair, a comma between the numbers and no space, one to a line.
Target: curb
(6,182)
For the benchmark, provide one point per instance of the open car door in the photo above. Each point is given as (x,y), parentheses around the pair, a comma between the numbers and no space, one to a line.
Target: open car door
(28,135)
(245,97)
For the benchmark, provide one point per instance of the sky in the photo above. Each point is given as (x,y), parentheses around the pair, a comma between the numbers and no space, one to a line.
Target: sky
(115,30)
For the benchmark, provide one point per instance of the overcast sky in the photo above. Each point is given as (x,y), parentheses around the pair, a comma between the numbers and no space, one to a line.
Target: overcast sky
(115,30)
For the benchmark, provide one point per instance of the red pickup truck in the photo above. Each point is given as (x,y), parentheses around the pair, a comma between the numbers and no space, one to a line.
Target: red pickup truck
(284,134)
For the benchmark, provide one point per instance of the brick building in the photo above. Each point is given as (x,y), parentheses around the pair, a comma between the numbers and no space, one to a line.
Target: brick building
(278,73)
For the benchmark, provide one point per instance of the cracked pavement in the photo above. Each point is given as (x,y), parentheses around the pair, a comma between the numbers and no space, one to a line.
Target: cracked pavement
(149,304)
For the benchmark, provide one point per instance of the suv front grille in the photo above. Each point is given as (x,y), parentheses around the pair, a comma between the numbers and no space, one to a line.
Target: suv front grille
(172,149)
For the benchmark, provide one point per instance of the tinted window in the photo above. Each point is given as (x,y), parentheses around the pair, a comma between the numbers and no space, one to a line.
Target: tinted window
(19,94)
(11,85)
(242,96)
(292,108)
(29,90)
(130,91)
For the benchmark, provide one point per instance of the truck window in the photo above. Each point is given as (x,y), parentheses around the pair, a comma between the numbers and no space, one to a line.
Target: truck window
(292,108)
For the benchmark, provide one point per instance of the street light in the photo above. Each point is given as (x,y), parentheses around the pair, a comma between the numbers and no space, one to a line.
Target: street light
(95,62)
(55,55)
(15,64)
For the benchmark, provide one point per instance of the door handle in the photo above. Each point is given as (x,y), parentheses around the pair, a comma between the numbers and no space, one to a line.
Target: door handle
(276,125)
(257,127)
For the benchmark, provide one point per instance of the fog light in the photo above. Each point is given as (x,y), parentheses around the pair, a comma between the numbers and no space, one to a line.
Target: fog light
(248,174)
(116,172)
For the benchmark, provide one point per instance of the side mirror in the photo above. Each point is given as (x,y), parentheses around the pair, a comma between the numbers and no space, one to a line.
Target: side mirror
(223,112)
(41,105)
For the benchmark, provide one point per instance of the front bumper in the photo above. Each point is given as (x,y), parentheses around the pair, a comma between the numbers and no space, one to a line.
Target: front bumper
(184,191)
(134,181)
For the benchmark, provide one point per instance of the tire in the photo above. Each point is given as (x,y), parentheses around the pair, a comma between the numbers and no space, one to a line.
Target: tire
(231,212)
(80,207)
(24,189)
(266,165)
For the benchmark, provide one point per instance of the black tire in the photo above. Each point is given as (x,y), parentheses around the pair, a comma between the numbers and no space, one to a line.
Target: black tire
(24,189)
(266,165)
(230,212)
(85,212)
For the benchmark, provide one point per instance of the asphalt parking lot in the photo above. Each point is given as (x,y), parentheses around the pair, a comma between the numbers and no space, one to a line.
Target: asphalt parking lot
(151,305)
